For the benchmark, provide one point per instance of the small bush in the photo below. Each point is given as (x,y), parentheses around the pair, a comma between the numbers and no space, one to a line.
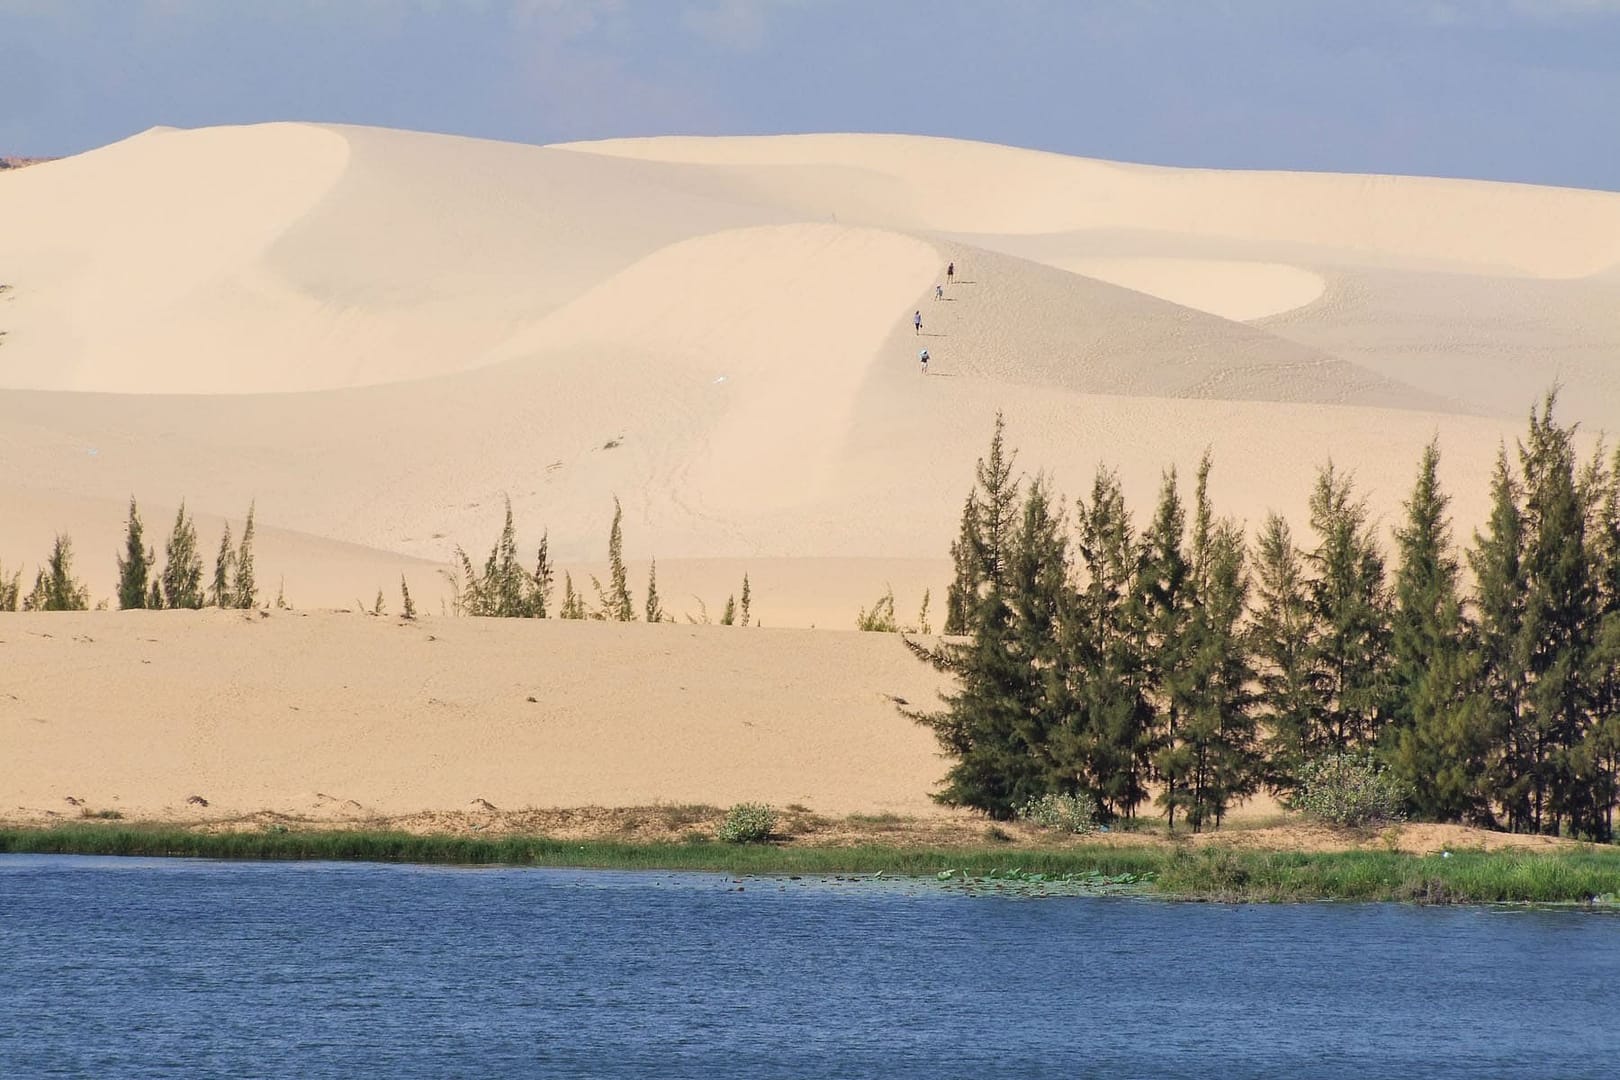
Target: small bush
(747,823)
(1075,813)
(1349,789)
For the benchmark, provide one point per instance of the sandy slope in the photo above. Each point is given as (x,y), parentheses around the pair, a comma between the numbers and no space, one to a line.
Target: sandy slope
(381,336)
(345,715)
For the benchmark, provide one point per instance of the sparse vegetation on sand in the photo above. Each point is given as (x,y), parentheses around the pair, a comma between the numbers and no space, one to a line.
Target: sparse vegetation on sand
(1583,875)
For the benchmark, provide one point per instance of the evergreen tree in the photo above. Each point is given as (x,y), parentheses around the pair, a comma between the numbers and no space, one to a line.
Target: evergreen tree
(924,627)
(1497,560)
(745,602)
(408,611)
(1218,729)
(615,602)
(989,519)
(10,590)
(55,587)
(1168,600)
(154,592)
(1284,644)
(182,565)
(655,610)
(959,598)
(1036,589)
(1600,751)
(1350,608)
(983,725)
(1105,744)
(244,590)
(573,606)
(1559,620)
(135,565)
(220,594)
(506,587)
(729,616)
(540,585)
(1437,736)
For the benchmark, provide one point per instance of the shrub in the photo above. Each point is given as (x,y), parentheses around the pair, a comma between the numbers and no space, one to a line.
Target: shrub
(1349,789)
(747,823)
(1075,813)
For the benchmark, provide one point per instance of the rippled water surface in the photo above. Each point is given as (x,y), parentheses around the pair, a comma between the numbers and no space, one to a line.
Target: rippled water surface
(148,968)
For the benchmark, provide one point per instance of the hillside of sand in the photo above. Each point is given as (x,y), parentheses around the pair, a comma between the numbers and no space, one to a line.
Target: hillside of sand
(377,337)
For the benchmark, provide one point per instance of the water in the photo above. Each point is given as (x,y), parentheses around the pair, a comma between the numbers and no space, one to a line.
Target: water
(147,968)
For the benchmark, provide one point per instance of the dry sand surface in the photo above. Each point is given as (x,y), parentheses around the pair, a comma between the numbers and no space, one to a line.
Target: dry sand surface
(377,336)
(352,717)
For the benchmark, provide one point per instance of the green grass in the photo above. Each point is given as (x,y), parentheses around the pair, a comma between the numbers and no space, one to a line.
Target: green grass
(1577,875)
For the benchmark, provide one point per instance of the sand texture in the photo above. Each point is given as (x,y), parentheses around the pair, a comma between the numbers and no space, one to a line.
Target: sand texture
(378,337)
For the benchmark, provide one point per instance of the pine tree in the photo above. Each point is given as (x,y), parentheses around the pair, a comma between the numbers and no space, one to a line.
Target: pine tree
(1218,728)
(154,592)
(1037,596)
(540,585)
(408,611)
(1168,600)
(55,587)
(615,602)
(1349,605)
(182,565)
(1284,644)
(573,606)
(745,602)
(959,598)
(379,606)
(1497,560)
(220,594)
(10,590)
(244,590)
(729,616)
(1105,744)
(135,565)
(1600,751)
(1559,622)
(506,588)
(989,519)
(924,627)
(655,610)
(984,725)
(1437,736)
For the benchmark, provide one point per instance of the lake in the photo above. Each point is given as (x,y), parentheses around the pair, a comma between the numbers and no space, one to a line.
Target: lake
(174,968)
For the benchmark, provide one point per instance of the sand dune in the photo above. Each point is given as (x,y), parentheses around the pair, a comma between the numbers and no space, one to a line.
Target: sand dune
(379,337)
(322,715)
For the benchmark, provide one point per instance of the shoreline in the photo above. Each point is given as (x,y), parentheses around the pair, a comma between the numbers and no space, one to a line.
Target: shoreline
(1586,875)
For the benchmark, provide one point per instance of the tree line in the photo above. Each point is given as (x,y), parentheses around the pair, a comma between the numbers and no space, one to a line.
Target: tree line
(141,583)
(1181,662)
(502,588)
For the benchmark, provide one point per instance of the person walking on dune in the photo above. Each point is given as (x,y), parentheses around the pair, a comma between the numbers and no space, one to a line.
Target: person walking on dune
(939,292)
(922,355)
(950,273)
(916,321)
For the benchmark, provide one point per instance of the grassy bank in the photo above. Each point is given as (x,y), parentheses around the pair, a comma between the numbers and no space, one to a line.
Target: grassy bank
(1575,875)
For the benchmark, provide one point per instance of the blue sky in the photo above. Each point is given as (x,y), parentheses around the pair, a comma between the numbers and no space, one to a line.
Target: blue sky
(1499,89)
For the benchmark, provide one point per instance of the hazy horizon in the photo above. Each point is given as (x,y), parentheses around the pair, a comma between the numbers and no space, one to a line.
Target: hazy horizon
(1509,90)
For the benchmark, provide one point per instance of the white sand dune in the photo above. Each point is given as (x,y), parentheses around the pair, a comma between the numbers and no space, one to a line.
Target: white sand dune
(380,336)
